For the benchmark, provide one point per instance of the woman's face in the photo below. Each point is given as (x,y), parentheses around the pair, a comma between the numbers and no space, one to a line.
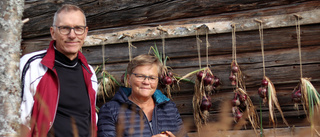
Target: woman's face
(143,87)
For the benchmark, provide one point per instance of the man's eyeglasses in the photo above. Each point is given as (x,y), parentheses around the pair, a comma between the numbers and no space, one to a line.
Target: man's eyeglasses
(140,77)
(65,30)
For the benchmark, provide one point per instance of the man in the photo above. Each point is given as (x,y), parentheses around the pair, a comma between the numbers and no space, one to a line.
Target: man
(58,86)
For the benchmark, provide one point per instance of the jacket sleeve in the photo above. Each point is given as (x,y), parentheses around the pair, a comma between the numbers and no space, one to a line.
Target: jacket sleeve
(179,121)
(107,121)
(31,72)
(94,82)
(26,99)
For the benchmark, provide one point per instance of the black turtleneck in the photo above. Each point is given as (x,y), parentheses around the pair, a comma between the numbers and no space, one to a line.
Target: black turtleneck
(74,103)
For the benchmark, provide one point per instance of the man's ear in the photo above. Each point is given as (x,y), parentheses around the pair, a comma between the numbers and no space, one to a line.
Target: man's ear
(52,32)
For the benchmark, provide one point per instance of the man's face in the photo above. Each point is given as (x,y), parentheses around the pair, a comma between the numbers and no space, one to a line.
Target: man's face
(69,44)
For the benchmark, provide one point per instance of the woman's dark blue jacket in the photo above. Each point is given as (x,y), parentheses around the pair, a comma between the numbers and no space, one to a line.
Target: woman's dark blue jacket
(122,116)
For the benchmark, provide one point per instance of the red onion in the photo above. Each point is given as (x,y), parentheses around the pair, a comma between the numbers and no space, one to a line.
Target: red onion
(235,69)
(232,77)
(167,80)
(263,92)
(238,115)
(200,75)
(242,97)
(170,74)
(207,80)
(174,80)
(205,104)
(233,82)
(296,96)
(264,82)
(216,81)
(235,102)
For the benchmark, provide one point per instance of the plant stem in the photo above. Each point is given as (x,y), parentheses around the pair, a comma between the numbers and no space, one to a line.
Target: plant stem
(261,128)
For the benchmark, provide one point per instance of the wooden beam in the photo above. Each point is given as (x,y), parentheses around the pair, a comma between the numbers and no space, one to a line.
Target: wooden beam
(211,26)
(278,16)
(112,14)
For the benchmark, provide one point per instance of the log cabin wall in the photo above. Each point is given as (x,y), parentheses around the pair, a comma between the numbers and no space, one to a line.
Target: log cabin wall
(115,21)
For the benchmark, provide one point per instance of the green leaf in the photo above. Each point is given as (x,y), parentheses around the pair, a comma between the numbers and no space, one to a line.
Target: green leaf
(185,80)
(156,52)
(113,79)
(98,70)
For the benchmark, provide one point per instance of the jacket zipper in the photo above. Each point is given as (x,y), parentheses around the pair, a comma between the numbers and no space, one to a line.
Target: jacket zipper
(91,121)
(154,120)
(153,126)
(58,97)
(145,116)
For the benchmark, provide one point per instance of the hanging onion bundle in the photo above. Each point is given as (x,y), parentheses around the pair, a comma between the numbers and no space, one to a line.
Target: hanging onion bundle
(107,84)
(267,90)
(241,102)
(271,99)
(168,79)
(305,93)
(205,85)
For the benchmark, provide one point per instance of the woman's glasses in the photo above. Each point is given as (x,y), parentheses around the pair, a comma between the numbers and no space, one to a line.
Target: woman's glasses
(140,77)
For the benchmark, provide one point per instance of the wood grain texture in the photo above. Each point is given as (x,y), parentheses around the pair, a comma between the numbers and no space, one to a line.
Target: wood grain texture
(110,14)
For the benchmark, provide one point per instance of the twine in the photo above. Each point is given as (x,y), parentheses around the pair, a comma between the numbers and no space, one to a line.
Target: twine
(207,47)
(162,33)
(129,47)
(103,50)
(234,51)
(234,42)
(264,72)
(163,45)
(299,40)
(199,41)
(103,61)
(262,46)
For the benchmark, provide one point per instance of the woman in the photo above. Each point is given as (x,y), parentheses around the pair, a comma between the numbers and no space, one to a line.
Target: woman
(141,110)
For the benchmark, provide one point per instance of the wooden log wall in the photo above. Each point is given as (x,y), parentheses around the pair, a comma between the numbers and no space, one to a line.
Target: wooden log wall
(110,20)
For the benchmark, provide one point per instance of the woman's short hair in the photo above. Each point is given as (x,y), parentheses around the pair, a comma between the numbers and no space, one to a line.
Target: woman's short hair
(67,8)
(144,59)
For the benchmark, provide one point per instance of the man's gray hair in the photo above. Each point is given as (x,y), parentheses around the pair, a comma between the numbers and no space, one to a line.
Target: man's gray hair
(67,8)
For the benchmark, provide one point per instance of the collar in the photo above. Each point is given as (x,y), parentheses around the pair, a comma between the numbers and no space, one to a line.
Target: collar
(49,59)
(63,60)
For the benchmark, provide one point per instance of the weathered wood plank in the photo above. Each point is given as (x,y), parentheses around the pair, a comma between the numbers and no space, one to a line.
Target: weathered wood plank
(282,66)
(213,26)
(110,14)
(216,24)
(186,47)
